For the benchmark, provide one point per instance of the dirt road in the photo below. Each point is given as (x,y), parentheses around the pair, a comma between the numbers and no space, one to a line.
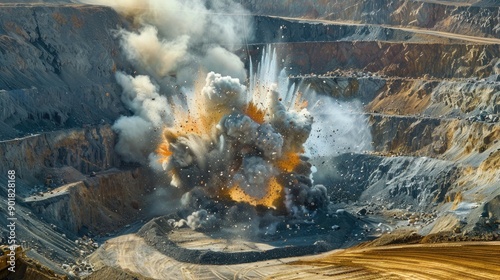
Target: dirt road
(473,39)
(477,260)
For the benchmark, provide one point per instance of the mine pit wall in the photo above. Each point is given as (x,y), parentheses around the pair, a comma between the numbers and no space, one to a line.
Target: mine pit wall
(405,60)
(405,135)
(87,149)
(466,97)
(99,204)
(345,88)
(392,95)
(439,138)
(405,114)
(473,147)
(392,182)
(280,30)
(400,96)
(475,21)
(58,64)
(427,156)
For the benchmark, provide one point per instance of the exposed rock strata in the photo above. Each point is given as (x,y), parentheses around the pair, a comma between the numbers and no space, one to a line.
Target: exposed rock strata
(479,20)
(57,70)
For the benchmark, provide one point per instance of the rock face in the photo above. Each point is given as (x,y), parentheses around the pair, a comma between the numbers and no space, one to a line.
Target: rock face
(88,149)
(281,30)
(402,96)
(480,19)
(57,70)
(67,185)
(59,96)
(97,204)
(392,59)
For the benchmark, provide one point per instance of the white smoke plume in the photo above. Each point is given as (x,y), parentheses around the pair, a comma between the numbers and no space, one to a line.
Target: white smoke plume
(172,42)
(151,112)
(135,138)
(223,91)
(173,37)
(224,62)
(142,97)
(156,55)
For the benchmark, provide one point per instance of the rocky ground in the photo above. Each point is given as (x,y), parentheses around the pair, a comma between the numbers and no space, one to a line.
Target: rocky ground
(426,73)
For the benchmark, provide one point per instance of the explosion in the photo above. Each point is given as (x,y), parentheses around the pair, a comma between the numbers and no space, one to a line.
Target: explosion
(243,144)
(239,149)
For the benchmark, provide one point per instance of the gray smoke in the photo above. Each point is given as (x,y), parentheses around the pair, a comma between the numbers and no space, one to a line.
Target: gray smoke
(138,133)
(296,125)
(198,220)
(241,128)
(254,174)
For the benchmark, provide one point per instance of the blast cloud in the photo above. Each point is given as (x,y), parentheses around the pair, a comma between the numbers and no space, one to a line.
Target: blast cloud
(230,148)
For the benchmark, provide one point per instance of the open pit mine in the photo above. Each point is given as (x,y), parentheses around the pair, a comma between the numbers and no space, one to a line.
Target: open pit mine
(231,139)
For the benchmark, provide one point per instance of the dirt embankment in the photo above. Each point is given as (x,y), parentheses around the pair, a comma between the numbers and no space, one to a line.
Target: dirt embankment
(443,261)
(423,261)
